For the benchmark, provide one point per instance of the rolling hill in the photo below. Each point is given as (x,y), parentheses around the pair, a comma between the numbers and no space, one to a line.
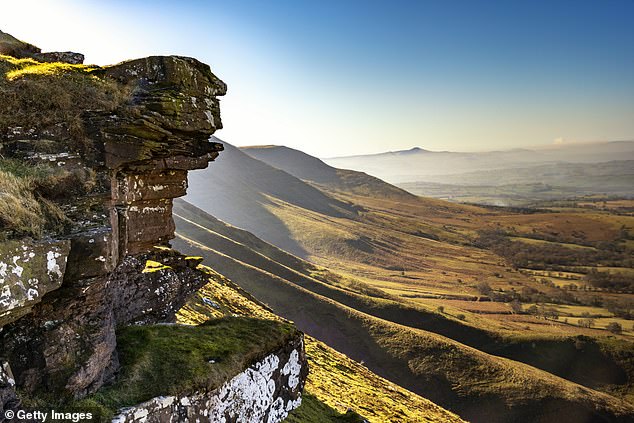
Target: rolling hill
(417,287)
(328,308)
(516,177)
(240,189)
(311,169)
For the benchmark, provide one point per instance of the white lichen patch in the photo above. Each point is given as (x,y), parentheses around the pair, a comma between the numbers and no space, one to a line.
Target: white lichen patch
(292,369)
(17,269)
(6,376)
(251,396)
(28,270)
(52,266)
(32,294)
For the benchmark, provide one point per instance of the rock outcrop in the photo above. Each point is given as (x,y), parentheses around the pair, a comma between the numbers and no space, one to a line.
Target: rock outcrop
(11,46)
(115,169)
(265,392)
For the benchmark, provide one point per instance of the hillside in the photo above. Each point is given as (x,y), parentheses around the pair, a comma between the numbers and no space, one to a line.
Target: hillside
(416,164)
(244,193)
(516,177)
(338,389)
(338,310)
(311,169)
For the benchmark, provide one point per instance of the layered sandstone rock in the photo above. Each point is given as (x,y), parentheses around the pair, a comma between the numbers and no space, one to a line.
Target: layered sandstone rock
(29,270)
(108,263)
(140,154)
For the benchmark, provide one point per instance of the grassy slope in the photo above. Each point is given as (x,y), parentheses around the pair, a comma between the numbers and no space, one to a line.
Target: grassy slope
(336,385)
(245,186)
(439,273)
(443,370)
(309,168)
(174,360)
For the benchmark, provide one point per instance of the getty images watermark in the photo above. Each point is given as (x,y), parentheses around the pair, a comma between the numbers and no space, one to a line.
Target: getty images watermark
(50,416)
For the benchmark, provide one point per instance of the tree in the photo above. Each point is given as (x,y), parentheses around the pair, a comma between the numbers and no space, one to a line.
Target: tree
(516,306)
(550,313)
(614,327)
(586,323)
(441,309)
(484,288)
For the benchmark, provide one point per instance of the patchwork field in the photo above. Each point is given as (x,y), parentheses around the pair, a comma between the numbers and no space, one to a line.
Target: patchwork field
(398,281)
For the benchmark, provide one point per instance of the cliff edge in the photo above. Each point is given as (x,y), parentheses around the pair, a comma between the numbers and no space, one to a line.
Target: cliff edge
(90,161)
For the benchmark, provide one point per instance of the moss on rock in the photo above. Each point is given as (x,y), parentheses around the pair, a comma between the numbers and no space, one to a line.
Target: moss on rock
(160,360)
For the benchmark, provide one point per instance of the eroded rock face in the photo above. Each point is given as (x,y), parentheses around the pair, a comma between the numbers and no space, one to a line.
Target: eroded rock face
(61,299)
(60,56)
(159,135)
(133,162)
(265,392)
(8,398)
(67,344)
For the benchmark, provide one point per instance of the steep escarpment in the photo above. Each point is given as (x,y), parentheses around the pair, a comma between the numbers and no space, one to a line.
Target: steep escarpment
(90,161)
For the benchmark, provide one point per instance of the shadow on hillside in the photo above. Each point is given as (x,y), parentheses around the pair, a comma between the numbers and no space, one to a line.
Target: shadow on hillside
(242,191)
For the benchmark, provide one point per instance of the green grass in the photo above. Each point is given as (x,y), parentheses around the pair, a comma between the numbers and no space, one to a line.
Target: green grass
(313,410)
(338,389)
(174,359)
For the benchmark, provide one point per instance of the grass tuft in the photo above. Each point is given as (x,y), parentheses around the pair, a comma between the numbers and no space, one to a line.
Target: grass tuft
(25,209)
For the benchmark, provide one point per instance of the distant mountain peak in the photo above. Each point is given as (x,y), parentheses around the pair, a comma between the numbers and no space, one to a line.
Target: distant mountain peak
(415,150)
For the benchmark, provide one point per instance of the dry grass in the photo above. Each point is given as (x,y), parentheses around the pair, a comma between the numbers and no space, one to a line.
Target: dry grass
(19,210)
(27,192)
(22,210)
(38,95)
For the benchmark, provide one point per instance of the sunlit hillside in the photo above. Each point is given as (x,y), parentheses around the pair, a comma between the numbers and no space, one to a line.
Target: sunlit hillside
(397,339)
(338,389)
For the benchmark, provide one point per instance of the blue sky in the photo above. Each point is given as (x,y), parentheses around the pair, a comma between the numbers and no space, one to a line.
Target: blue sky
(349,77)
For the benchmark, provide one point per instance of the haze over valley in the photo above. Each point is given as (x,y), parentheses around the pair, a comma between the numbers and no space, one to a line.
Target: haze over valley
(515,177)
